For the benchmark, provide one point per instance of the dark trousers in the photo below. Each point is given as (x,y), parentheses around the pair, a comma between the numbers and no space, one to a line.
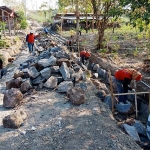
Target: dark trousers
(30,46)
(82,59)
(120,89)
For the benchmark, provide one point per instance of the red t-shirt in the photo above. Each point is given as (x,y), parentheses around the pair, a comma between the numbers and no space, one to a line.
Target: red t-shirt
(122,74)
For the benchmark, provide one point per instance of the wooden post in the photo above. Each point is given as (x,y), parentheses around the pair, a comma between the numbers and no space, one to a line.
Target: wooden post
(135,99)
(111,90)
(9,24)
(77,27)
(3,22)
(149,104)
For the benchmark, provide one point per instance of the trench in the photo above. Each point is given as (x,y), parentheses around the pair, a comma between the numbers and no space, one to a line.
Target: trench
(109,65)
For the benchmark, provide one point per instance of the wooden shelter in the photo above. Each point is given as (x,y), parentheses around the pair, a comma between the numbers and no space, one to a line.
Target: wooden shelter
(8,16)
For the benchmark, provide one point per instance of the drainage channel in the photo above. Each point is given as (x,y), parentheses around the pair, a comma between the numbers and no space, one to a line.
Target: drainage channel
(100,76)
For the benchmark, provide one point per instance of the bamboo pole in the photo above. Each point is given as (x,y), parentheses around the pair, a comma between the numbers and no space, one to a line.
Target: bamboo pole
(131,93)
(135,99)
(111,89)
(149,104)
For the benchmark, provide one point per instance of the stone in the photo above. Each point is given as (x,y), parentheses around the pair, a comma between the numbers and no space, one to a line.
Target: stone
(24,65)
(64,70)
(46,73)
(101,72)
(60,54)
(77,68)
(140,127)
(12,98)
(102,95)
(95,76)
(64,86)
(59,62)
(38,80)
(26,86)
(18,73)
(76,95)
(131,130)
(14,120)
(124,108)
(47,62)
(95,67)
(100,86)
(14,83)
(54,49)
(148,128)
(108,101)
(144,109)
(55,69)
(71,71)
(51,82)
(77,76)
(82,85)
(44,55)
(33,73)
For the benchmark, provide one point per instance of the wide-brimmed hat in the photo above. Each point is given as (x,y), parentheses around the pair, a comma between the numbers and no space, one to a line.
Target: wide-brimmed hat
(31,31)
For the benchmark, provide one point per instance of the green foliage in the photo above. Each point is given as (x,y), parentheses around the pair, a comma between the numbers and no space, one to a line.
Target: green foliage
(139,11)
(22,19)
(21,15)
(2,43)
(23,24)
(2,26)
(136,52)
(104,50)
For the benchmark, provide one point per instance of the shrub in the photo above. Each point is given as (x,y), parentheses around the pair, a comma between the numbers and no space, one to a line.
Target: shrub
(23,24)
(2,43)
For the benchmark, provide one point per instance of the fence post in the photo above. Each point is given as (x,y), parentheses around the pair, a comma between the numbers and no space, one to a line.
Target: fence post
(135,99)
(111,89)
(149,103)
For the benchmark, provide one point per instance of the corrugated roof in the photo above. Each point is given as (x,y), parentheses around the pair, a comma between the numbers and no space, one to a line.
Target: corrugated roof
(81,17)
(8,10)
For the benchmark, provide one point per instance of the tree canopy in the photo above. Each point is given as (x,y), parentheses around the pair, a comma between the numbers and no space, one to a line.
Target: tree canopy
(138,11)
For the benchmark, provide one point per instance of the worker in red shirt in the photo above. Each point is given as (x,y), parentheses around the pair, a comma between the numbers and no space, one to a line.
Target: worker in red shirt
(30,40)
(85,54)
(123,78)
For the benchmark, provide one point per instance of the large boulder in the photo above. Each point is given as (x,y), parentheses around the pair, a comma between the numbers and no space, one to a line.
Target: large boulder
(76,95)
(64,70)
(38,80)
(18,73)
(64,86)
(26,86)
(14,83)
(14,120)
(47,62)
(12,98)
(60,61)
(33,73)
(46,73)
(51,82)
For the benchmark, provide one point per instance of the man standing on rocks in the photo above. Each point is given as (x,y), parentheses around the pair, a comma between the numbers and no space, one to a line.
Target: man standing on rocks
(123,78)
(30,40)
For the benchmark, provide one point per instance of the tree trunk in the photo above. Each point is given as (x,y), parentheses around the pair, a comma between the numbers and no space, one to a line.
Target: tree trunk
(101,25)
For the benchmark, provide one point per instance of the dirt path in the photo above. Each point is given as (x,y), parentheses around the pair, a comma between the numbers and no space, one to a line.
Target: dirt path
(53,123)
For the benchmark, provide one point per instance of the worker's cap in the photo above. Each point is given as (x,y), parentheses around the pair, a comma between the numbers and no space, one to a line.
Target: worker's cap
(31,31)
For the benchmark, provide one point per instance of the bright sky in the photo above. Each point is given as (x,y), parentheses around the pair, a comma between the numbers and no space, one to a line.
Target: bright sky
(35,4)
